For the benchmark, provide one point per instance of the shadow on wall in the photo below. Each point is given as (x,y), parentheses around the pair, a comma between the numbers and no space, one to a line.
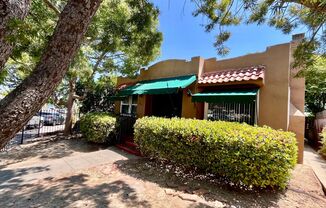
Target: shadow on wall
(69,191)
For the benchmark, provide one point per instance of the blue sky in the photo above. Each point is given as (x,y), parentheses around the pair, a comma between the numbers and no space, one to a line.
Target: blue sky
(184,37)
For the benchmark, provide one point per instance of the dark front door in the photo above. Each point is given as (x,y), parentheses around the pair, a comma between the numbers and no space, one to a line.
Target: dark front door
(167,105)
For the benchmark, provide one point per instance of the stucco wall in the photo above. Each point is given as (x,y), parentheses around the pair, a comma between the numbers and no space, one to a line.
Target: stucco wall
(297,99)
(165,69)
(273,97)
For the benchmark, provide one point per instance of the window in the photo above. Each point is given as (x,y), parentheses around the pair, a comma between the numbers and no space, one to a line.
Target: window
(232,111)
(129,105)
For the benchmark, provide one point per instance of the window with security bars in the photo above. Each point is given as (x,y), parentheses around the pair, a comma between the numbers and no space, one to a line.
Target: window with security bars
(232,111)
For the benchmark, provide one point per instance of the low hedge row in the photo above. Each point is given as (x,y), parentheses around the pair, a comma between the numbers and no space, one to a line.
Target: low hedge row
(98,127)
(253,157)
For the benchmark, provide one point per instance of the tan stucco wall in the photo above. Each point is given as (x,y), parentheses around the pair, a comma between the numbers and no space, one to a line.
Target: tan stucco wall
(188,107)
(165,69)
(273,96)
(297,126)
(141,104)
(297,99)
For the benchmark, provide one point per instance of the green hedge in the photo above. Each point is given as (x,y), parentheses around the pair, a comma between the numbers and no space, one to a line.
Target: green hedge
(98,127)
(254,157)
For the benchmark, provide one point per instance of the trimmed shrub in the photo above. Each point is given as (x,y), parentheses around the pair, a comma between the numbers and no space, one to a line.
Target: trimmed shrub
(247,156)
(98,127)
(323,142)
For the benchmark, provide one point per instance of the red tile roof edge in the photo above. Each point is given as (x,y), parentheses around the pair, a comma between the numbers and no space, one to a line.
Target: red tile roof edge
(232,75)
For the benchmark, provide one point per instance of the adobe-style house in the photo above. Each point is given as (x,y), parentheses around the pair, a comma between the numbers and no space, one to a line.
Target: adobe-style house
(257,88)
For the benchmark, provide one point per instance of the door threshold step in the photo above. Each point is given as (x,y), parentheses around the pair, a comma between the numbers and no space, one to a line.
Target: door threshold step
(128,150)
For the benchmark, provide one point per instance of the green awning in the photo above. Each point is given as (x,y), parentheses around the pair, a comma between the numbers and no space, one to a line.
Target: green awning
(159,86)
(226,96)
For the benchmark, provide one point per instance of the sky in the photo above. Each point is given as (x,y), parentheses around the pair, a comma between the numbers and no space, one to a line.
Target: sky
(184,36)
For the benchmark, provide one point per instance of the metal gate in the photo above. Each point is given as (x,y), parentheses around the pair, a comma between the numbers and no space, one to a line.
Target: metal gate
(126,127)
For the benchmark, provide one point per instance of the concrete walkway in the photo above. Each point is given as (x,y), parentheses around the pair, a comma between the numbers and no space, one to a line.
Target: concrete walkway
(27,172)
(318,164)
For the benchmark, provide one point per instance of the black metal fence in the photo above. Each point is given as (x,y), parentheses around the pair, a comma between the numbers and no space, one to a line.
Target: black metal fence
(238,112)
(45,122)
(126,127)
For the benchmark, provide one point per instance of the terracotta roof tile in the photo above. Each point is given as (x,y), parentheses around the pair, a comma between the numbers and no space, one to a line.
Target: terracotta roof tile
(122,86)
(238,75)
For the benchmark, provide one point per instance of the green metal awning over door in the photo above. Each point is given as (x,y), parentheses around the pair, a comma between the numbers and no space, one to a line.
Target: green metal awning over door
(226,96)
(159,86)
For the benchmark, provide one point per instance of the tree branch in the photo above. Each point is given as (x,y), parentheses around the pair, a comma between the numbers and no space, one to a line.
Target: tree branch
(52,6)
(10,10)
(313,5)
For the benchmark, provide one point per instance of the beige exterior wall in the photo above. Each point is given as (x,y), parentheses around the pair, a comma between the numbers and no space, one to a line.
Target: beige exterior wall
(274,94)
(277,91)
(297,100)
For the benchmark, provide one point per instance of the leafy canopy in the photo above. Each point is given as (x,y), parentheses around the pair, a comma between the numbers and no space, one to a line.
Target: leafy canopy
(285,15)
(315,76)
(122,37)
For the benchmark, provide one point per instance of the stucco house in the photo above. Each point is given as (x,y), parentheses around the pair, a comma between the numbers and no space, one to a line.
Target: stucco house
(259,88)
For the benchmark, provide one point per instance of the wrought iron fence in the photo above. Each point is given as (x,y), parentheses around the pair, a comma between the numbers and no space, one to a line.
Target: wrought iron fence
(45,122)
(238,112)
(126,127)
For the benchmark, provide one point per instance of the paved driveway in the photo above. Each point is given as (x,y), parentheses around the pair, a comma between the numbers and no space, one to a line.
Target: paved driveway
(317,163)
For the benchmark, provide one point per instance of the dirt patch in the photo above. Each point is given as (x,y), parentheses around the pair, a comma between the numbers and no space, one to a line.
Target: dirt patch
(47,148)
(103,186)
(145,183)
(304,190)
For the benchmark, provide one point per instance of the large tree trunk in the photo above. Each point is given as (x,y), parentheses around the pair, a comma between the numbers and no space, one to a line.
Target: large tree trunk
(23,102)
(70,105)
(9,10)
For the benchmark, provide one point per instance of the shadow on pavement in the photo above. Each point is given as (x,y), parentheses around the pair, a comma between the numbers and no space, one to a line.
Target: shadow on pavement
(47,148)
(73,191)
(212,189)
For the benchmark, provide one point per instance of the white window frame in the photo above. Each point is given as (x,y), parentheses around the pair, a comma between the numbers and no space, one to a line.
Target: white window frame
(129,104)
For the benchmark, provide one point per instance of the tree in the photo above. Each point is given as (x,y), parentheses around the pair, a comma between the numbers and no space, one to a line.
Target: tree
(285,15)
(122,38)
(97,97)
(315,76)
(26,99)
(10,11)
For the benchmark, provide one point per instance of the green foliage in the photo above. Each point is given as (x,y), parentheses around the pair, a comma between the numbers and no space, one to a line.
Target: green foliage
(253,157)
(97,95)
(315,77)
(323,141)
(122,37)
(98,127)
(285,15)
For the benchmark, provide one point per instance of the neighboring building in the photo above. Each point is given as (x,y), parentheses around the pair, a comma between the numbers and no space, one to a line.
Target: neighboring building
(257,88)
